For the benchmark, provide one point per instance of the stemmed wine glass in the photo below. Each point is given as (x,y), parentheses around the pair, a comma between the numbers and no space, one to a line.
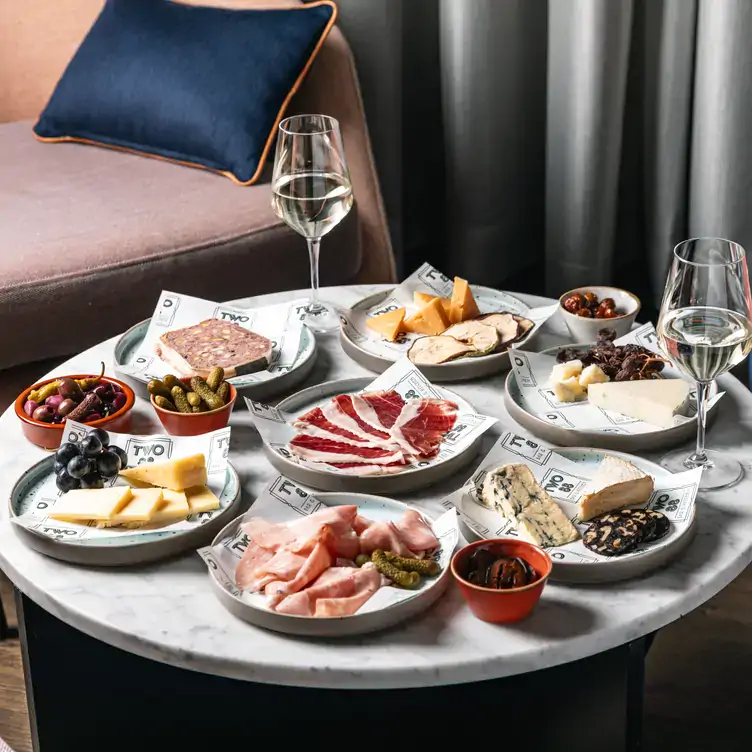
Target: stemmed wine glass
(706,330)
(311,192)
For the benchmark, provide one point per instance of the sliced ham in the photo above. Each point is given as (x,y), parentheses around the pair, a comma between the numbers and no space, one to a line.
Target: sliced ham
(387,537)
(415,532)
(331,422)
(387,406)
(365,418)
(254,557)
(421,425)
(316,563)
(317,449)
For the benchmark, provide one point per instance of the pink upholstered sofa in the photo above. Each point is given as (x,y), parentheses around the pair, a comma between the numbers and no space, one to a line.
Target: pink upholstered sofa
(89,236)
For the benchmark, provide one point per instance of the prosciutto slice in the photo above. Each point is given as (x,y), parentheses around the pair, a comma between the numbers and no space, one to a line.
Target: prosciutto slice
(318,449)
(420,427)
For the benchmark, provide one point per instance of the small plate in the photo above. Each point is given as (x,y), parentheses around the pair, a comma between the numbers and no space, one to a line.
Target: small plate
(573,568)
(408,480)
(374,507)
(114,551)
(128,344)
(556,433)
(360,348)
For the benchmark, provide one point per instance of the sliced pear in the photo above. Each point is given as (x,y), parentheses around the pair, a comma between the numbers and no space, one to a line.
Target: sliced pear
(525,326)
(431,351)
(483,337)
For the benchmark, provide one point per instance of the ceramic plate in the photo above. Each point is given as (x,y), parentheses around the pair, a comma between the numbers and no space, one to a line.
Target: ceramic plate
(375,508)
(114,551)
(562,435)
(574,568)
(362,352)
(408,480)
(129,343)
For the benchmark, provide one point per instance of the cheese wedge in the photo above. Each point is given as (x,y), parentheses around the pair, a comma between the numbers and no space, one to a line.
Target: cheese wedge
(513,491)
(430,320)
(617,484)
(569,390)
(655,401)
(388,325)
(593,374)
(174,508)
(97,504)
(176,474)
(139,510)
(201,499)
(463,306)
(421,299)
(564,371)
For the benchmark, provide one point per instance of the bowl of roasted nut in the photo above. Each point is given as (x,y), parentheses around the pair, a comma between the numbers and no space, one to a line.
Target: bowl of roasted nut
(586,310)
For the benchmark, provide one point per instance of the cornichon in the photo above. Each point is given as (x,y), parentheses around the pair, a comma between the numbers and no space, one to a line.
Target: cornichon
(178,397)
(223,392)
(199,409)
(164,403)
(409,580)
(193,399)
(215,378)
(427,567)
(158,389)
(212,400)
(41,394)
(171,382)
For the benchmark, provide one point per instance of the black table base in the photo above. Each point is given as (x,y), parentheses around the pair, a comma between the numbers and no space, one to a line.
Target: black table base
(85,696)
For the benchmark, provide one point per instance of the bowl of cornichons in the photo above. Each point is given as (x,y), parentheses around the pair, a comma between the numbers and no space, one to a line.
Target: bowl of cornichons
(192,405)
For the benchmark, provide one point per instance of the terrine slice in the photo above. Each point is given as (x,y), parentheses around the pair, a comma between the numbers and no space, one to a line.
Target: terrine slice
(196,350)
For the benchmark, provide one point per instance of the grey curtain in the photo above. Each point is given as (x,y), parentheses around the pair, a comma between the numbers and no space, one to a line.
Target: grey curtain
(550,144)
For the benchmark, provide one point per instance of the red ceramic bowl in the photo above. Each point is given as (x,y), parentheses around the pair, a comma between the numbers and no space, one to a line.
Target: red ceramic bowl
(193,424)
(503,606)
(49,435)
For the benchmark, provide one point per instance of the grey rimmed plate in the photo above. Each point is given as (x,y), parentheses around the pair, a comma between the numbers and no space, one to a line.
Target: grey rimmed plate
(114,551)
(554,430)
(366,350)
(252,610)
(128,344)
(576,564)
(408,480)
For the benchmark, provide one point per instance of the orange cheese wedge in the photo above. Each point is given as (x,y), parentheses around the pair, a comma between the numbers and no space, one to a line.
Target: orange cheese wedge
(422,299)
(388,325)
(463,306)
(429,320)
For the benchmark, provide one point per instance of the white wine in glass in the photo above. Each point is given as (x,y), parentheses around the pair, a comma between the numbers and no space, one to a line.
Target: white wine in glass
(706,330)
(312,194)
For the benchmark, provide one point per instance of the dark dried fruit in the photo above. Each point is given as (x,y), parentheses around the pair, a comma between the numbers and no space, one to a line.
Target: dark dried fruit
(607,303)
(574,302)
(591,299)
(586,313)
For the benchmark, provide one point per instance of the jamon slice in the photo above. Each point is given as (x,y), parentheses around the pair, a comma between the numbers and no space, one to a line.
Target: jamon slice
(387,406)
(415,532)
(356,468)
(365,417)
(387,537)
(421,425)
(316,419)
(317,449)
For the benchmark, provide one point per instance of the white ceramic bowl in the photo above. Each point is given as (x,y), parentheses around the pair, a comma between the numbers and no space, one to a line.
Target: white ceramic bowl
(586,330)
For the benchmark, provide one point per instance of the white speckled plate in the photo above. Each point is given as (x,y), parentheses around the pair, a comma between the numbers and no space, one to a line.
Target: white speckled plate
(251,609)
(114,551)
(573,568)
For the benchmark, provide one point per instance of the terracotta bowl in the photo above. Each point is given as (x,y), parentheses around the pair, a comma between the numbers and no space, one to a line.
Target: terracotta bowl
(503,606)
(193,424)
(49,435)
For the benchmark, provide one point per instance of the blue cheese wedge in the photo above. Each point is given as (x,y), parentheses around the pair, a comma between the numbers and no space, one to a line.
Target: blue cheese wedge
(512,491)
(617,484)
(656,401)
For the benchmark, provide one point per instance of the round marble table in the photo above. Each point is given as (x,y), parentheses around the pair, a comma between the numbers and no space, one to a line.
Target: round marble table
(167,611)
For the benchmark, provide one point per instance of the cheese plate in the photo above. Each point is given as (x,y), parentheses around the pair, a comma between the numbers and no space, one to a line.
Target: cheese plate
(567,424)
(566,475)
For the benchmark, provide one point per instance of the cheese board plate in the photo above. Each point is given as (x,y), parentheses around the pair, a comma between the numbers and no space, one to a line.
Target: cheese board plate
(458,449)
(380,612)
(60,541)
(555,428)
(573,563)
(128,344)
(377,355)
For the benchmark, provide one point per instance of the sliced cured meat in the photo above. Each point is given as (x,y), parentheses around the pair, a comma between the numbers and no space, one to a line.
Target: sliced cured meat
(387,537)
(415,532)
(283,566)
(421,425)
(316,563)
(254,557)
(340,591)
(355,468)
(365,418)
(317,449)
(330,421)
(361,524)
(316,419)
(386,405)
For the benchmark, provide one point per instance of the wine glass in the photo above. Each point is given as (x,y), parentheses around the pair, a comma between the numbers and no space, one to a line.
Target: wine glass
(311,192)
(706,330)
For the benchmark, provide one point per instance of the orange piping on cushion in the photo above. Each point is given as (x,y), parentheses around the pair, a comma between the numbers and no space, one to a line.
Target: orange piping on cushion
(269,141)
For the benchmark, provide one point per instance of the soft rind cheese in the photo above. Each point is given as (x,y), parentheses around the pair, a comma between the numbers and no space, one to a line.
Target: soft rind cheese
(569,390)
(176,474)
(139,510)
(388,325)
(656,401)
(463,305)
(429,320)
(91,504)
(513,491)
(174,509)
(617,484)
(201,499)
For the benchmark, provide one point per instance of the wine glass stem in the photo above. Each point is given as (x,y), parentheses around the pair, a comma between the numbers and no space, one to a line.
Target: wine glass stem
(699,458)
(313,255)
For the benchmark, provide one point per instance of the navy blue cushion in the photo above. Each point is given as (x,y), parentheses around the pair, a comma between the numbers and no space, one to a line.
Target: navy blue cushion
(198,85)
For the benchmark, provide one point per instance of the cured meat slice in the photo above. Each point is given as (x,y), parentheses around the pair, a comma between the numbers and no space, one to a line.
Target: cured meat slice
(386,405)
(415,532)
(421,425)
(316,419)
(387,537)
(317,449)
(330,421)
(316,563)
(365,418)
(356,468)
(254,557)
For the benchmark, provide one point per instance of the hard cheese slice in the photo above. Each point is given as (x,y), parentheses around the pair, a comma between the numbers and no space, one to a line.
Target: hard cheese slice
(463,305)
(174,508)
(617,484)
(655,401)
(85,504)
(139,510)
(176,474)
(201,499)
(430,320)
(388,325)
(513,491)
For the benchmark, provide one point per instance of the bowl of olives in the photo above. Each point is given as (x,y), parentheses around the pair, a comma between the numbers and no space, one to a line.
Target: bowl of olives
(587,310)
(98,401)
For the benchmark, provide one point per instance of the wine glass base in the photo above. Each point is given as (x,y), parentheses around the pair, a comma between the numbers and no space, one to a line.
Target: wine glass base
(321,317)
(721,472)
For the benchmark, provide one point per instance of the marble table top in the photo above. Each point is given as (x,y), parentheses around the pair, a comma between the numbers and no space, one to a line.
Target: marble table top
(167,611)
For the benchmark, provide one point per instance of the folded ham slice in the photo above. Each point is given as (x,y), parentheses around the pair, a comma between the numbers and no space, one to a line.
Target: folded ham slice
(415,532)
(386,536)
